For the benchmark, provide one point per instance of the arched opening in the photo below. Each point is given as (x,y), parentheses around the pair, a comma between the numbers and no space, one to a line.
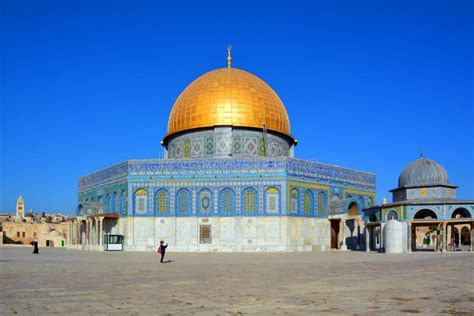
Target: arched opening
(425,214)
(465,236)
(461,213)
(392,214)
(353,209)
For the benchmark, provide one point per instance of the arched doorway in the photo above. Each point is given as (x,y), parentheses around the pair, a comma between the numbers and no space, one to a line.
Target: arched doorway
(461,213)
(425,214)
(425,236)
(352,232)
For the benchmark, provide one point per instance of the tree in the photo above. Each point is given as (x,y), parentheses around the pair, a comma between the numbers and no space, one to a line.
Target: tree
(49,219)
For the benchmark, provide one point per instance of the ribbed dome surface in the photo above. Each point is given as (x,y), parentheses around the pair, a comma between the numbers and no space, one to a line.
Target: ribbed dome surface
(423,172)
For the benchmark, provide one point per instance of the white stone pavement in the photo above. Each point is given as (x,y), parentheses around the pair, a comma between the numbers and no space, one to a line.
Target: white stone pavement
(60,281)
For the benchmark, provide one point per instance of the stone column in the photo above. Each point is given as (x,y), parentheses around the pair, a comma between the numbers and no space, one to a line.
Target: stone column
(367,238)
(409,242)
(471,244)
(101,231)
(88,231)
(381,238)
(445,237)
(342,231)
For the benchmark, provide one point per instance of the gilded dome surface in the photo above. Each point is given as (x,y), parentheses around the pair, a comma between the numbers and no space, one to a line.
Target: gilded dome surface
(228,97)
(423,172)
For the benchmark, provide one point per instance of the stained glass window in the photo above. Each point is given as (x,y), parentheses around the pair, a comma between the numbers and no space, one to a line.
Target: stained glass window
(140,201)
(124,203)
(249,201)
(272,200)
(183,201)
(162,202)
(307,203)
(227,201)
(321,204)
(294,201)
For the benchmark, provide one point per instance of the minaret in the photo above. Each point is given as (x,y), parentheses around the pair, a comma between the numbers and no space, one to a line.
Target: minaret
(20,209)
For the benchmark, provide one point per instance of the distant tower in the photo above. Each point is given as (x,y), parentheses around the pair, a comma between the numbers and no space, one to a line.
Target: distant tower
(20,209)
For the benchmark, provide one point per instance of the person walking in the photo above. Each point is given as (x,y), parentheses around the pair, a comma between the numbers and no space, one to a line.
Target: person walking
(162,250)
(36,248)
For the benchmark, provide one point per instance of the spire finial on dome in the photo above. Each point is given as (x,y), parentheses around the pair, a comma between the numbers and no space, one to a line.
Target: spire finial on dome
(229,58)
(422,153)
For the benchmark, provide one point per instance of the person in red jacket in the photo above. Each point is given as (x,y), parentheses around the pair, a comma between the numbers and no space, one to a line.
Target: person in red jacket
(162,250)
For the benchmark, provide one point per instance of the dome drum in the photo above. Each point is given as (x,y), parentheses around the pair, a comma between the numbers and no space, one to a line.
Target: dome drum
(225,142)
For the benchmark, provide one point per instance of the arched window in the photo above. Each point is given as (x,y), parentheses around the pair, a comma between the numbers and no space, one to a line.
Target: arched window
(124,203)
(183,201)
(141,201)
(294,201)
(353,209)
(249,201)
(272,201)
(100,207)
(370,202)
(392,214)
(307,203)
(116,202)
(162,202)
(205,201)
(321,200)
(227,201)
(107,203)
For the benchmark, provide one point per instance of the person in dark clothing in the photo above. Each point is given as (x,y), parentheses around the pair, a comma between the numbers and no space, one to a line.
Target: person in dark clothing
(36,248)
(162,250)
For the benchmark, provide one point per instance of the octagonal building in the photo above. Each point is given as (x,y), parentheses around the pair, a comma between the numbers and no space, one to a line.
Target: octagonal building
(228,181)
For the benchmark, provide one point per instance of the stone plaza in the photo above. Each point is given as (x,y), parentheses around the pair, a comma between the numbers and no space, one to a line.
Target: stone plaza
(60,281)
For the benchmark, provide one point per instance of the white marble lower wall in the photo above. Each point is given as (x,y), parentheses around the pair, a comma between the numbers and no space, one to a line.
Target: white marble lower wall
(232,234)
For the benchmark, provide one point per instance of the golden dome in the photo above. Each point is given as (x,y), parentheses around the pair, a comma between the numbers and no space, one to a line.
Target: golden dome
(228,97)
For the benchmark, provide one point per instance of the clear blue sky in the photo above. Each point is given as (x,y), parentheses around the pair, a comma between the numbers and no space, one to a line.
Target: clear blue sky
(86,84)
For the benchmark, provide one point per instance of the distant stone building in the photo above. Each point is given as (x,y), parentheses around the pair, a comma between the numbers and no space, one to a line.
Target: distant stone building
(425,203)
(23,229)
(48,235)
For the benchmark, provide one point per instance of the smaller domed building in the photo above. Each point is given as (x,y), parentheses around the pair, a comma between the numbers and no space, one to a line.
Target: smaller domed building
(425,202)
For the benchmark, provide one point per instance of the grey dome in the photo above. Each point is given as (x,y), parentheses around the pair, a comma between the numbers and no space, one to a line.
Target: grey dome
(423,172)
